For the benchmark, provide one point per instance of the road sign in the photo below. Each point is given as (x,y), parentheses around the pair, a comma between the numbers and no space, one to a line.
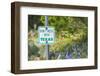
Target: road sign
(46,35)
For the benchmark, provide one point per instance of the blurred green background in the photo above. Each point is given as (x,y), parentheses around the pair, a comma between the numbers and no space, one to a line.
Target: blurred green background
(71,37)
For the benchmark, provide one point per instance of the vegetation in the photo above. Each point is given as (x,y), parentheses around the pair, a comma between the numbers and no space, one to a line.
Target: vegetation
(70,40)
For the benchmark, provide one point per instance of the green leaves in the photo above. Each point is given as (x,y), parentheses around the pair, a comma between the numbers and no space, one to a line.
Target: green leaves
(69,32)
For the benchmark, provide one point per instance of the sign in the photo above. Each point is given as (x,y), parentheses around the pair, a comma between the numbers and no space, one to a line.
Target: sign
(46,35)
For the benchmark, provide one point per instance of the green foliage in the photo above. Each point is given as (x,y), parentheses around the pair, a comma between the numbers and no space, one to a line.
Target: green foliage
(70,36)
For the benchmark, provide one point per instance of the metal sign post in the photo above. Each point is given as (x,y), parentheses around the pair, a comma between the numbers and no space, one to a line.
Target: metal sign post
(46,46)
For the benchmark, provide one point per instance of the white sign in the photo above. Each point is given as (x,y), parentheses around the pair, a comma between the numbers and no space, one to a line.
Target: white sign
(46,35)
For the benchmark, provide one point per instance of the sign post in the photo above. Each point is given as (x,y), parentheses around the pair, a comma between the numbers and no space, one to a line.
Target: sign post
(47,46)
(46,36)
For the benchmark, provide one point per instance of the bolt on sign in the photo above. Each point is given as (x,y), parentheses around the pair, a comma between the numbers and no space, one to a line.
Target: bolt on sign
(46,35)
